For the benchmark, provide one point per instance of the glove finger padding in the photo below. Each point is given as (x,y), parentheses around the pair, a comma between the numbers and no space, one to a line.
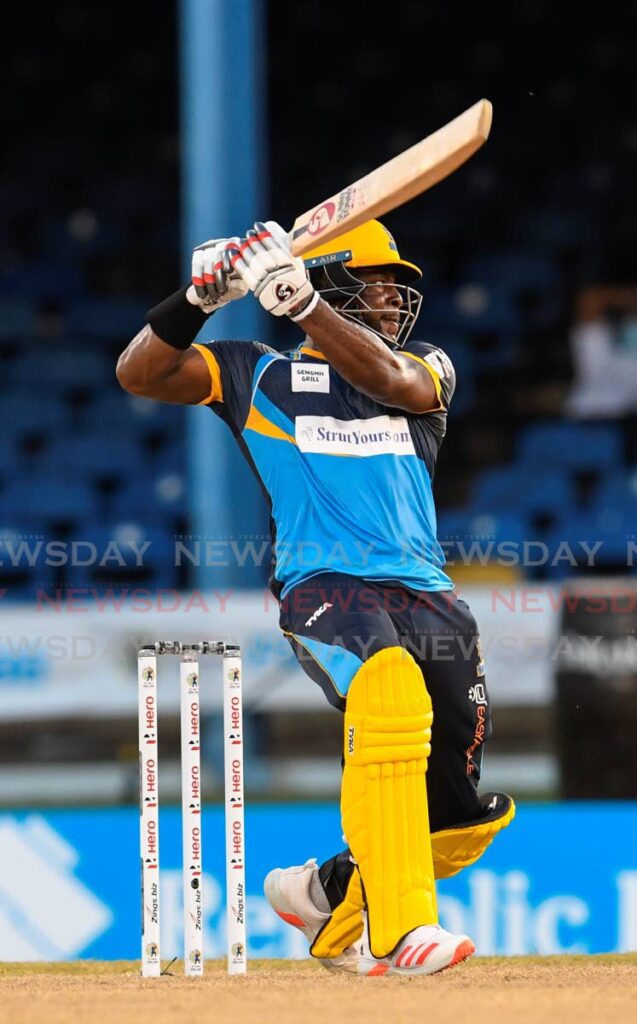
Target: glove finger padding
(278,279)
(258,258)
(236,258)
(198,258)
(278,237)
(214,276)
(213,283)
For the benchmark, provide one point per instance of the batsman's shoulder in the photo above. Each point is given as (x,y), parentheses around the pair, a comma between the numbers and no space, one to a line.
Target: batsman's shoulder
(437,363)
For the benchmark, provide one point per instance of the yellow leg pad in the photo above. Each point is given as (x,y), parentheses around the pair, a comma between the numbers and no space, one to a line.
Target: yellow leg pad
(345,925)
(458,848)
(453,849)
(384,809)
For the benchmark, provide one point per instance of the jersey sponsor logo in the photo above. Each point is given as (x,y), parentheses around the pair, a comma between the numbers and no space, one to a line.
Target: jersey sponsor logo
(380,435)
(310,377)
(440,362)
(478,694)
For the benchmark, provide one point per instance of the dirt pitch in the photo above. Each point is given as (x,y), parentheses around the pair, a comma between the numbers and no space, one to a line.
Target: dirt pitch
(517,990)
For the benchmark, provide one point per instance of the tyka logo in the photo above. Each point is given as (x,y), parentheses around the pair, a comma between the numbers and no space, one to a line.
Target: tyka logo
(319,611)
(350,739)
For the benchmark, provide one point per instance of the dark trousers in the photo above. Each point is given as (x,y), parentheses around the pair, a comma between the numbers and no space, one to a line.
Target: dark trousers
(335,622)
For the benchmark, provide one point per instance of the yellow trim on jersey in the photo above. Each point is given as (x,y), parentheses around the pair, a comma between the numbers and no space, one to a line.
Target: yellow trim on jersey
(256,421)
(216,389)
(312,352)
(434,376)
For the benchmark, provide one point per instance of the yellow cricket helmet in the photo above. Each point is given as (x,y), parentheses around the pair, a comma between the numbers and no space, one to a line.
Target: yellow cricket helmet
(370,245)
(332,270)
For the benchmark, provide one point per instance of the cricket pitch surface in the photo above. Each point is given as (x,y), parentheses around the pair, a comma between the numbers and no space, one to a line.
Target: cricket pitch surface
(493,990)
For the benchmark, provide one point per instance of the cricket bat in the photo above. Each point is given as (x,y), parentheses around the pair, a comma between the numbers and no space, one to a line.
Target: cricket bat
(397,181)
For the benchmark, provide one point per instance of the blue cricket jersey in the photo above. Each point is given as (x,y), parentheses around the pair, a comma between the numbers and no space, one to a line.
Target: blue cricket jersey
(348,480)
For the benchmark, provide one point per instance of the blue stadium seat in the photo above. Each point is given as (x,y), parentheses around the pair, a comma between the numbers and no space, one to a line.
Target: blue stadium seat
(27,412)
(93,458)
(152,546)
(16,316)
(513,269)
(612,529)
(23,557)
(116,412)
(558,226)
(49,500)
(56,279)
(149,500)
(57,240)
(518,488)
(531,277)
(475,537)
(489,308)
(574,445)
(617,492)
(109,318)
(11,463)
(477,312)
(60,368)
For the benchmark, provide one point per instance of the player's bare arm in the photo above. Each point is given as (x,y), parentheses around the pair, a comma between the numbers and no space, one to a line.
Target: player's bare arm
(154,369)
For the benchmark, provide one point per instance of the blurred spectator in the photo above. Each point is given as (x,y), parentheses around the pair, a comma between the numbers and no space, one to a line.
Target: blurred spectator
(604,352)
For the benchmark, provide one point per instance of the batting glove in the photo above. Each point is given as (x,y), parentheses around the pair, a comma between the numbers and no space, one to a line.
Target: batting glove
(279,280)
(214,283)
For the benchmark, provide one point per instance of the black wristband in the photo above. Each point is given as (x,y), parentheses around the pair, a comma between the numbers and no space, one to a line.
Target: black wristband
(176,321)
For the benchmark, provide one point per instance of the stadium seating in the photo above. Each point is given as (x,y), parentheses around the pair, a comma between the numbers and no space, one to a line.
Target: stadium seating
(570,445)
(500,272)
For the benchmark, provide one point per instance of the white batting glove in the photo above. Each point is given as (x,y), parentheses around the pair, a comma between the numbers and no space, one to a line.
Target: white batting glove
(214,283)
(279,280)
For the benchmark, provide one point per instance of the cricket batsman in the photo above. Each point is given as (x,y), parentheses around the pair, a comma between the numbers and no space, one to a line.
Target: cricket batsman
(343,435)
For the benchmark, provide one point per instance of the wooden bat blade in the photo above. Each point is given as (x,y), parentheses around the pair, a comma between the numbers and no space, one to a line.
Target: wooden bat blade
(397,181)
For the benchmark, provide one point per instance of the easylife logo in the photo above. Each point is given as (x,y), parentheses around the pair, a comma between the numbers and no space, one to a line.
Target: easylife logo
(380,435)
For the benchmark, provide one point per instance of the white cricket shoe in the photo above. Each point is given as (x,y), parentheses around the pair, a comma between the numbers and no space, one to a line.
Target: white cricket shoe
(287,891)
(425,950)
